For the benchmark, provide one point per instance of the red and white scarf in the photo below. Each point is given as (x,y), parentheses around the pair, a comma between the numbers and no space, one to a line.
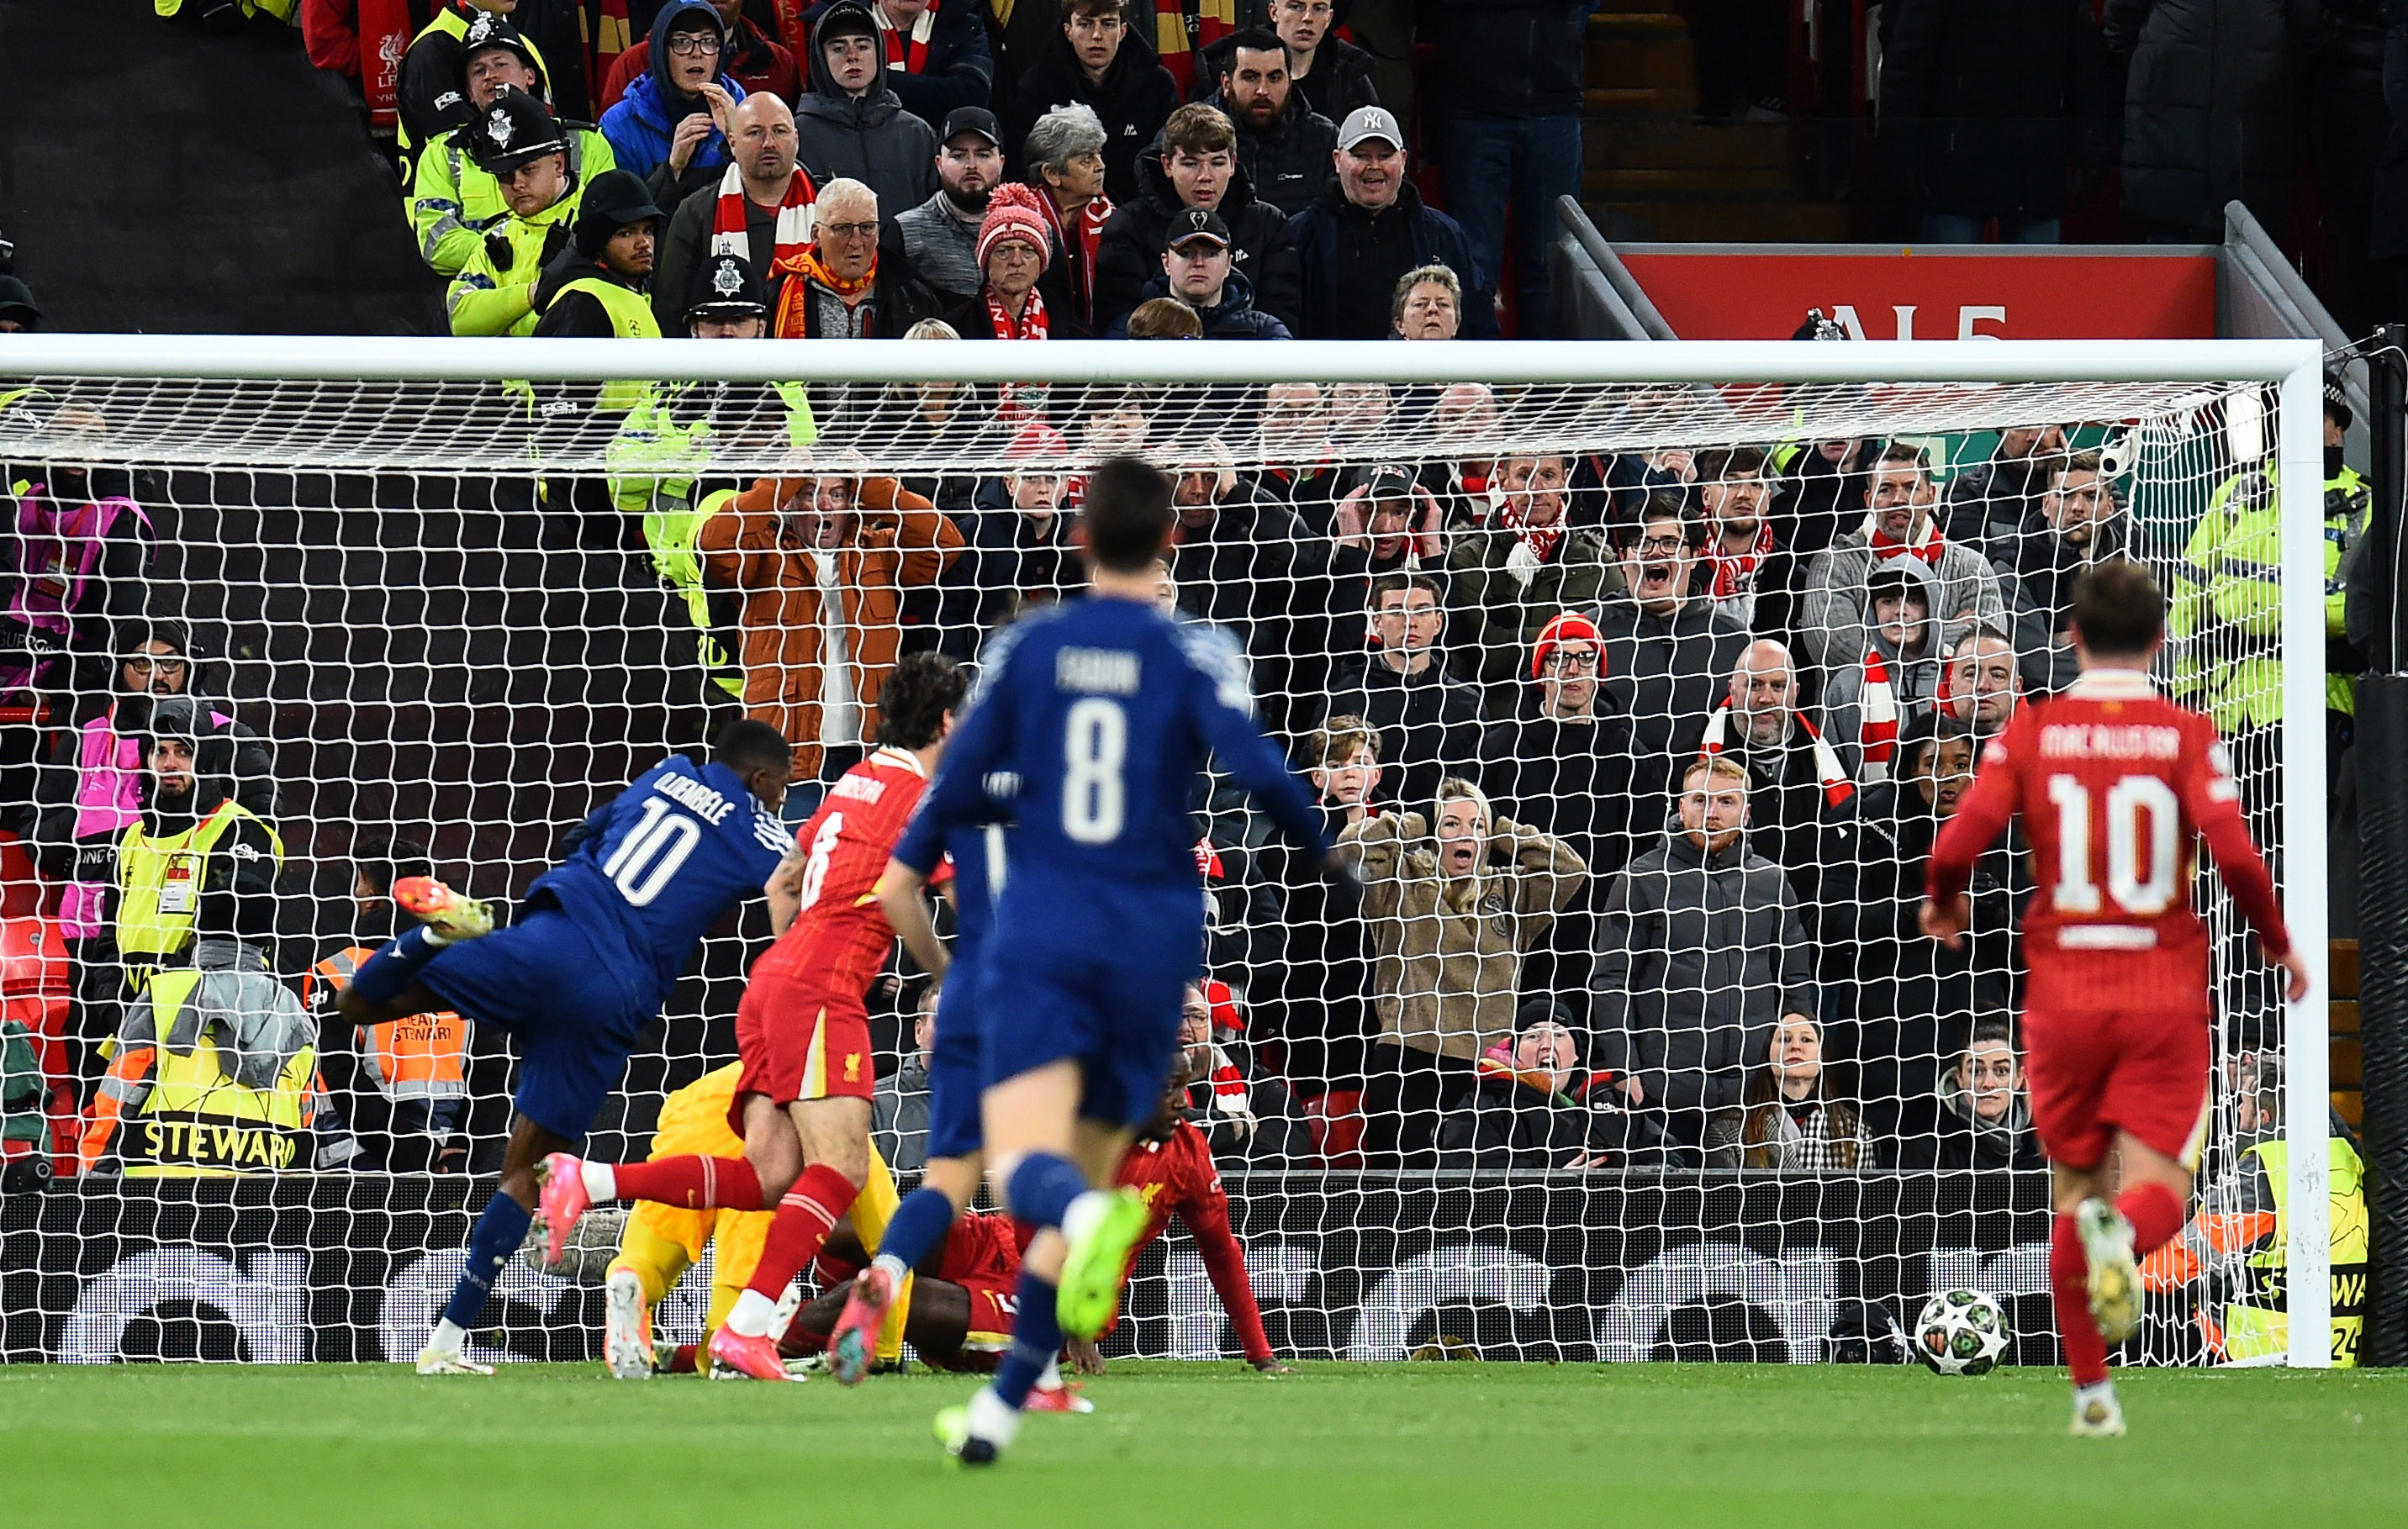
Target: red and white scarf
(1928,545)
(384,34)
(1837,787)
(1878,706)
(1080,249)
(795,218)
(1735,572)
(1539,539)
(907,53)
(1017,403)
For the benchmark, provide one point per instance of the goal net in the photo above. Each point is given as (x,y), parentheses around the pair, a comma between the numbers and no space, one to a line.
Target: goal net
(1639,678)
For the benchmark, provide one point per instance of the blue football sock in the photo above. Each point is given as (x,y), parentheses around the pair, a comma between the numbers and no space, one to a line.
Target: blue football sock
(500,1232)
(1043,1187)
(1036,1337)
(383,975)
(917,1226)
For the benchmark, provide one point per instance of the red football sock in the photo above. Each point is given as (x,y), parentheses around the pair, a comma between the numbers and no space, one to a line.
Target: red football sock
(686,1359)
(693,1183)
(806,1216)
(2086,1351)
(2156,1216)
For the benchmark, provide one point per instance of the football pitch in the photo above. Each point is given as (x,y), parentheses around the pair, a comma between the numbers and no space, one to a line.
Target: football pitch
(1509,1445)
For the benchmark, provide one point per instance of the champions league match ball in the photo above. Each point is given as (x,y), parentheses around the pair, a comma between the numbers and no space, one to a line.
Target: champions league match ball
(1961,1332)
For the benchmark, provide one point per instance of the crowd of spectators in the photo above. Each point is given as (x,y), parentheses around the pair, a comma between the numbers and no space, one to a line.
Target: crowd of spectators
(1120,127)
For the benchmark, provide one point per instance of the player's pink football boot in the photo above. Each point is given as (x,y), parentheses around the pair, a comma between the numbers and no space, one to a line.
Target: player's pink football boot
(1064,1398)
(757,1357)
(441,910)
(560,1199)
(853,1342)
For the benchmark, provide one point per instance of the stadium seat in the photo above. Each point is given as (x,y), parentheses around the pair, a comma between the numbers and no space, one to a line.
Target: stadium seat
(1335,1119)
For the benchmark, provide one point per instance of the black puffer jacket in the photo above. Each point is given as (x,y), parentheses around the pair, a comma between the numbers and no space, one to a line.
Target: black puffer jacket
(1514,58)
(1289,165)
(1137,96)
(1130,254)
(872,139)
(1984,105)
(2207,108)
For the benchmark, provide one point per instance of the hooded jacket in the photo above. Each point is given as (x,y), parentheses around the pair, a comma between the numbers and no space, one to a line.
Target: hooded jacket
(237,896)
(899,540)
(1340,82)
(1134,98)
(1946,1133)
(644,124)
(1913,673)
(958,70)
(1129,261)
(1698,957)
(1332,243)
(1235,316)
(1290,164)
(1829,615)
(758,61)
(870,138)
(1447,952)
(91,787)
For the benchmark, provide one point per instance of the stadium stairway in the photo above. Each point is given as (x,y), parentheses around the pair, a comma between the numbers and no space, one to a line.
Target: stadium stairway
(1655,172)
(160,178)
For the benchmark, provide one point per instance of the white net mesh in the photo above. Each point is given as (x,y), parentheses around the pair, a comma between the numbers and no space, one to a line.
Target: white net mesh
(441,621)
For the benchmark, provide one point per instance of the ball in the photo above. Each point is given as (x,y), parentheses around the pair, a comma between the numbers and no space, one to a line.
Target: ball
(1962,1331)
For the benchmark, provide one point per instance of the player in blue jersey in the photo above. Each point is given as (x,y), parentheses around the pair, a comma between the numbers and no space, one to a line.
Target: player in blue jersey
(600,942)
(1102,713)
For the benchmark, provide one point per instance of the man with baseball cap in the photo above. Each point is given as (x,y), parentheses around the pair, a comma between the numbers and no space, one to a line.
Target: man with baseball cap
(940,236)
(1368,227)
(1195,269)
(519,144)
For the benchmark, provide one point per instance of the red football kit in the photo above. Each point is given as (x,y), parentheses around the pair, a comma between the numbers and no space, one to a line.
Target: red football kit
(2116,785)
(1176,1176)
(982,1254)
(803,1027)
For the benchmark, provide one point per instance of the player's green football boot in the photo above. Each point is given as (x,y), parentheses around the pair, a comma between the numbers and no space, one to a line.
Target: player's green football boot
(1099,1255)
(449,913)
(2115,1278)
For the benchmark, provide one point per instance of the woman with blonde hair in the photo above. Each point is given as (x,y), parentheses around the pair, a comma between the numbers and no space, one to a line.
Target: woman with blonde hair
(1451,904)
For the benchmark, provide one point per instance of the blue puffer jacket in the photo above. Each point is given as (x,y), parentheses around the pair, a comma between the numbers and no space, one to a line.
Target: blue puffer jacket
(644,123)
(1233,318)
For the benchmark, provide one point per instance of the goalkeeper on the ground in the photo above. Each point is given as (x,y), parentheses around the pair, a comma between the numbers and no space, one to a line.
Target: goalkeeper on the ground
(661,1241)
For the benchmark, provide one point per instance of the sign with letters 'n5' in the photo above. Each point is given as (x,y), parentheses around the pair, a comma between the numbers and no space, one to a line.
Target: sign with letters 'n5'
(1890,294)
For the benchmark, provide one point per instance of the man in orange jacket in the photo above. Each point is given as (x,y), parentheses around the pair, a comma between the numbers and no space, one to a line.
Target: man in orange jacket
(823,564)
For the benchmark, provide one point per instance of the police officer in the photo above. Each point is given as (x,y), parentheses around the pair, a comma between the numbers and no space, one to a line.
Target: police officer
(522,147)
(413,1091)
(430,103)
(2226,617)
(453,202)
(670,438)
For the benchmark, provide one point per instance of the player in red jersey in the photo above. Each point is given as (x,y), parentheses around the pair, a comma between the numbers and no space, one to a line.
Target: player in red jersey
(2115,786)
(1170,1164)
(802,1031)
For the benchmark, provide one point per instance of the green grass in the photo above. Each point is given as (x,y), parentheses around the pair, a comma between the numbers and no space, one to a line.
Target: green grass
(1511,1445)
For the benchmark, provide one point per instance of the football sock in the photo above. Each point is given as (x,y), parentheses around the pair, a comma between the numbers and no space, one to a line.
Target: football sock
(1043,1188)
(2156,1216)
(383,975)
(806,1215)
(450,1337)
(499,1231)
(914,1230)
(685,1359)
(1035,1336)
(690,1183)
(2086,1351)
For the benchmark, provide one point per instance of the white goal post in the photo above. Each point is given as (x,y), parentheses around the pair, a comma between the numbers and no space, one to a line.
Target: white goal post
(422,406)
